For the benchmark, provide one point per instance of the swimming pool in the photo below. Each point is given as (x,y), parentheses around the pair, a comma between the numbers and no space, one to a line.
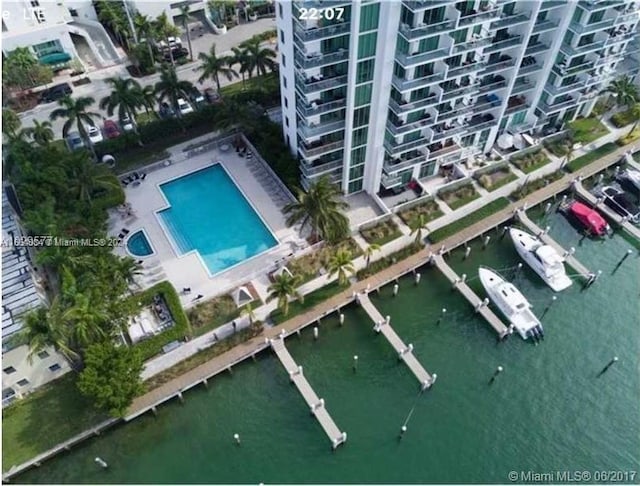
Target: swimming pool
(210,215)
(138,245)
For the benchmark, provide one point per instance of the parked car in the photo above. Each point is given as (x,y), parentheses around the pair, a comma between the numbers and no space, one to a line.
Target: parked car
(166,111)
(55,93)
(589,218)
(177,52)
(619,202)
(197,98)
(184,107)
(94,133)
(127,124)
(110,129)
(74,141)
(212,95)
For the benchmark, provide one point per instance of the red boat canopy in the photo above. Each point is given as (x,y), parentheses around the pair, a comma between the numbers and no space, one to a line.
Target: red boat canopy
(589,217)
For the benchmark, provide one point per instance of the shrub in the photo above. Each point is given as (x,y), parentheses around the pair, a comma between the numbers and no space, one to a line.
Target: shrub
(180,329)
(629,138)
(535,184)
(115,145)
(468,220)
(311,300)
(623,118)
(212,313)
(308,266)
(580,162)
(458,197)
(430,209)
(530,161)
(387,261)
(381,233)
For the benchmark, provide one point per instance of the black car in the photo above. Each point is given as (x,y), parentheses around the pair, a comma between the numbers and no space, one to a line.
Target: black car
(196,98)
(178,53)
(55,93)
(166,111)
(619,202)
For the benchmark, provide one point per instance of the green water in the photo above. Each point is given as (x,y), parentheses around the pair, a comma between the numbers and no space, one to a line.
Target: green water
(547,411)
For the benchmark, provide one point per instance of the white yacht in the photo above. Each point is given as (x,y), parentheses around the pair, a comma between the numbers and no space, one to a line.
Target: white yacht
(543,259)
(511,303)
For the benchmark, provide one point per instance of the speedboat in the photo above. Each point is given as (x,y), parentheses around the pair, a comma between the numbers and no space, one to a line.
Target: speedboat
(543,259)
(589,218)
(511,303)
(620,203)
(629,179)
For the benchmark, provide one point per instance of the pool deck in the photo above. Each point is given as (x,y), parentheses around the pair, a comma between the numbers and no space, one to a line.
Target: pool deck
(189,271)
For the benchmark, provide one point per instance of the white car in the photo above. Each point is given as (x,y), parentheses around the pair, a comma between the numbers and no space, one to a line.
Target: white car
(184,107)
(127,124)
(94,133)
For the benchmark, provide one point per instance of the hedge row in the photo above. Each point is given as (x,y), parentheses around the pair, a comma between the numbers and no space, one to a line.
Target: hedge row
(468,220)
(580,162)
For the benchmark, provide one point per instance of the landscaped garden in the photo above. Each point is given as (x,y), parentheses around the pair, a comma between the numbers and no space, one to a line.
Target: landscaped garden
(213,313)
(472,218)
(381,233)
(310,300)
(625,117)
(314,264)
(559,146)
(536,184)
(496,178)
(458,197)
(586,130)
(531,160)
(580,162)
(429,209)
(387,261)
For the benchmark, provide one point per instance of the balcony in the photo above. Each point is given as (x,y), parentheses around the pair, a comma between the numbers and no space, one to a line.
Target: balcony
(495,67)
(522,86)
(481,122)
(536,48)
(496,45)
(451,93)
(438,150)
(563,102)
(322,128)
(571,70)
(594,5)
(478,17)
(322,165)
(315,33)
(319,83)
(465,69)
(399,128)
(318,108)
(560,90)
(319,147)
(515,104)
(318,59)
(415,33)
(409,84)
(440,133)
(389,182)
(581,29)
(485,103)
(493,85)
(394,147)
(404,162)
(421,58)
(577,51)
(549,4)
(509,21)
(528,66)
(418,5)
(400,108)
(618,38)
(544,26)
(458,110)
(472,44)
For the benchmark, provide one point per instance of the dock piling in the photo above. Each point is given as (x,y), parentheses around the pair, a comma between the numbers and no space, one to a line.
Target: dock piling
(341,318)
(315,332)
(101,462)
(626,255)
(236,437)
(387,320)
(486,240)
(467,252)
(355,363)
(547,208)
(553,299)
(495,374)
(418,278)
(505,229)
(609,364)
(444,311)
(396,287)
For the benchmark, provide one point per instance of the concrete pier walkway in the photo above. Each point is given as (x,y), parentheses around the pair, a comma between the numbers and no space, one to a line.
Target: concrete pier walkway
(316,405)
(478,304)
(608,212)
(405,353)
(547,240)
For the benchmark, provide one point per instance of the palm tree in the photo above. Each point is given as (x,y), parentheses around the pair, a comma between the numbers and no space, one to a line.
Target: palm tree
(259,58)
(284,288)
(171,88)
(340,263)
(126,97)
(321,210)
(417,225)
(213,66)
(242,60)
(12,126)
(247,310)
(42,332)
(87,178)
(40,132)
(624,90)
(85,320)
(370,250)
(144,26)
(635,116)
(75,111)
(185,12)
(148,98)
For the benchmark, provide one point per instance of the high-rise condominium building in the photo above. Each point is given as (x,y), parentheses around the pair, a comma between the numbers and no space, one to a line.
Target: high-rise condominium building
(377,93)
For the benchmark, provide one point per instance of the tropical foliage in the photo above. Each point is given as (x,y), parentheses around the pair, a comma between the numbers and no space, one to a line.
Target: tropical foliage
(21,70)
(74,111)
(321,210)
(624,90)
(259,59)
(213,67)
(340,264)
(126,97)
(284,289)
(170,87)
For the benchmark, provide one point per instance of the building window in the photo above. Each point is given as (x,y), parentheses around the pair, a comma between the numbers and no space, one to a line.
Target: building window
(280,12)
(286,103)
(282,36)
(367,45)
(43,355)
(359,137)
(284,82)
(9,369)
(54,367)
(361,117)
(363,95)
(284,61)
(355,186)
(357,156)
(23,382)
(356,172)
(596,17)
(365,71)
(369,17)
(286,121)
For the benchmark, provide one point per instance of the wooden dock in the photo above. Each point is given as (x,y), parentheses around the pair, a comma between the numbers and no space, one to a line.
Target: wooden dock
(547,240)
(316,405)
(478,304)
(405,353)
(603,208)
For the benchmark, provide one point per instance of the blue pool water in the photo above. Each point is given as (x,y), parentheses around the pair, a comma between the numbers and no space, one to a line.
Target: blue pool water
(209,214)
(138,245)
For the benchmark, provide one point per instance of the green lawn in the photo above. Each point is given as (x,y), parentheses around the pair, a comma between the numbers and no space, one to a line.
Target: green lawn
(468,220)
(580,162)
(586,130)
(269,82)
(51,415)
(310,300)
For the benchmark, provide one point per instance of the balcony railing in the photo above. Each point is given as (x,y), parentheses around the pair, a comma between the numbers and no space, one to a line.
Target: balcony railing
(310,86)
(442,133)
(509,21)
(319,129)
(314,170)
(390,181)
(462,70)
(476,18)
(615,39)
(478,126)
(560,90)
(593,5)
(535,49)
(486,88)
(595,27)
(313,34)
(498,66)
(396,165)
(408,127)
(318,59)
(394,147)
(556,106)
(417,5)
(529,68)
(409,84)
(319,148)
(420,31)
(421,58)
(472,44)
(445,151)
(458,110)
(571,70)
(552,4)
(577,51)
(470,89)
(544,26)
(504,44)
(320,108)
(516,108)
(522,86)
(414,105)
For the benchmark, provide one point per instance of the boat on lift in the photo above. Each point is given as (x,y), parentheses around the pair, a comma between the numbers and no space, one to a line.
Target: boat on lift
(512,304)
(543,259)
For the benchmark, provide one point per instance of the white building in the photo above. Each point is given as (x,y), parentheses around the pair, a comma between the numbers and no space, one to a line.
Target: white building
(20,293)
(378,93)
(58,31)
